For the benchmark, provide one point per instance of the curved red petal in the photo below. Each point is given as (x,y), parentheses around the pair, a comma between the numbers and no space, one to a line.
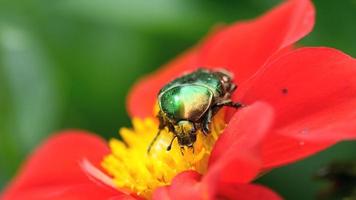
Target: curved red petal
(241,48)
(53,170)
(236,154)
(189,185)
(142,98)
(161,193)
(246,192)
(185,185)
(87,191)
(279,150)
(244,47)
(313,92)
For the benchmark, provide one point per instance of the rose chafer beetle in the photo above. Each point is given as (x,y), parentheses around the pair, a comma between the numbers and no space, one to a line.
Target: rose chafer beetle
(188,104)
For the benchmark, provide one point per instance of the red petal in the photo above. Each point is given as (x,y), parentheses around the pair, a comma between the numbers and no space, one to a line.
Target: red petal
(188,185)
(242,48)
(185,185)
(236,154)
(313,91)
(161,193)
(246,192)
(53,171)
(87,191)
(278,150)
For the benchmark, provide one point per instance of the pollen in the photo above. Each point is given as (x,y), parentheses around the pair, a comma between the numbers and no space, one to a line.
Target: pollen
(135,170)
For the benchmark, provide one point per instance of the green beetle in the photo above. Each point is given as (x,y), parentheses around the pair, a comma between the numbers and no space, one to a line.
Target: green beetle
(188,103)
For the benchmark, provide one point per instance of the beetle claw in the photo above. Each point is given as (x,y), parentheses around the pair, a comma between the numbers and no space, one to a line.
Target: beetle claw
(182,150)
(206,130)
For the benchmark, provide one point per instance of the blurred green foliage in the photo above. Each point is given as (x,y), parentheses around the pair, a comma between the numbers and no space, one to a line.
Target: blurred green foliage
(70,64)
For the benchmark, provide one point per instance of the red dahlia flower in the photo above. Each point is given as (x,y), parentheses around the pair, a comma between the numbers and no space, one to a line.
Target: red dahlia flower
(59,169)
(309,94)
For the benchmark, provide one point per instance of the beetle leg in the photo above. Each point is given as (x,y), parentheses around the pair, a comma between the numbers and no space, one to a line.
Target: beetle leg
(234,105)
(170,144)
(192,148)
(207,121)
(232,87)
(182,149)
(153,141)
(229,103)
(211,112)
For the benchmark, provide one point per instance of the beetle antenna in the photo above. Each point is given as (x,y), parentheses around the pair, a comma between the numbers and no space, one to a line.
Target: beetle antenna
(170,144)
(153,141)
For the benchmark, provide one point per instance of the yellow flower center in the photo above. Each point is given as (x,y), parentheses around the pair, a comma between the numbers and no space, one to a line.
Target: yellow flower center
(135,170)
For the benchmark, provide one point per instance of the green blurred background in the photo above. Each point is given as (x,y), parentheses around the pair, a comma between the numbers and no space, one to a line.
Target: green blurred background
(70,64)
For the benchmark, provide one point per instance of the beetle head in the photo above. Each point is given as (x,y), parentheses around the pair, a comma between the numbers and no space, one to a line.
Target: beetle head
(186,133)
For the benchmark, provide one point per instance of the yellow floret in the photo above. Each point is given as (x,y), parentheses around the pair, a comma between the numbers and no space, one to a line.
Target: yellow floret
(135,170)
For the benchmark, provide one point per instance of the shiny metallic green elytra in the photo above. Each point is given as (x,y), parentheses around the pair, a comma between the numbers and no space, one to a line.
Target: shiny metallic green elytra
(189,102)
(186,101)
